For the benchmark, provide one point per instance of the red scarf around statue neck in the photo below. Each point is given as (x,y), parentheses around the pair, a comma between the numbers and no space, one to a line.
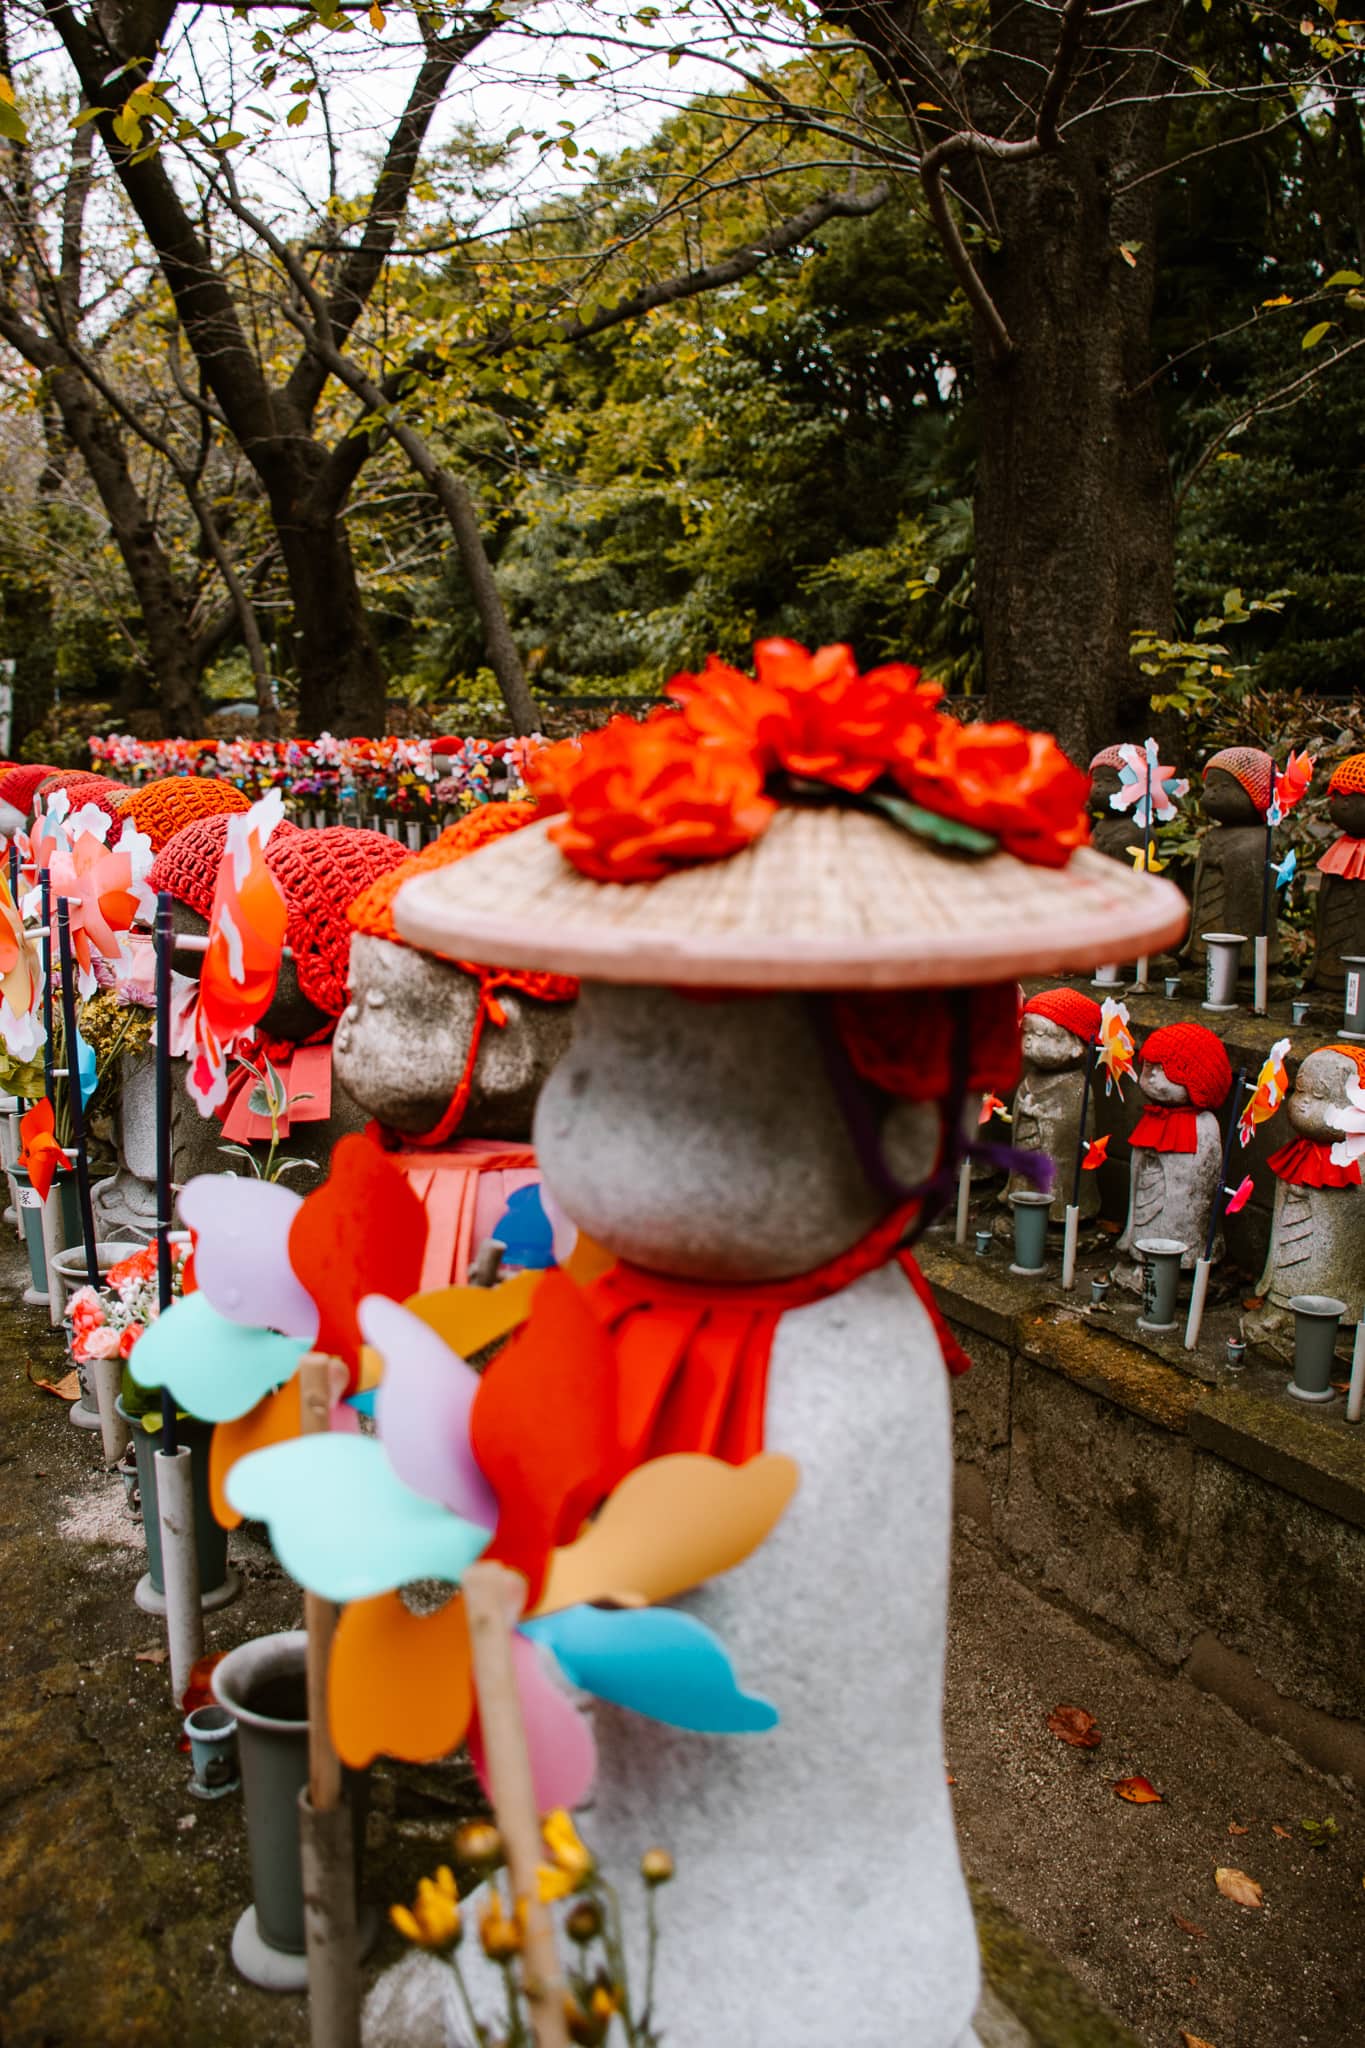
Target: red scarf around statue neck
(1167,1127)
(1308,1163)
(693,1355)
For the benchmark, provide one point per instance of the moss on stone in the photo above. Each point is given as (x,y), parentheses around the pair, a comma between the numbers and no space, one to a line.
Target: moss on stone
(1045,1999)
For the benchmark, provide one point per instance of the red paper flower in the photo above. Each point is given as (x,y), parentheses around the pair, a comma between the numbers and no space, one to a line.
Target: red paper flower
(39,1153)
(1002,779)
(810,714)
(645,799)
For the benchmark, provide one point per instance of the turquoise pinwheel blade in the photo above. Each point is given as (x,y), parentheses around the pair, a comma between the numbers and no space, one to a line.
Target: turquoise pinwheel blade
(342,1524)
(655,1661)
(212,1368)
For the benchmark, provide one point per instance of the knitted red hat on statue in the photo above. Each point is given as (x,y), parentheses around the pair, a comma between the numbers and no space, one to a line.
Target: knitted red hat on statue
(1079,1014)
(17,785)
(81,787)
(1248,765)
(166,806)
(1194,1058)
(321,875)
(187,865)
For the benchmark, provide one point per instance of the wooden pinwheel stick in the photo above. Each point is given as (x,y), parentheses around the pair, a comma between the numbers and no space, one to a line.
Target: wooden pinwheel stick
(1203,1266)
(326,1820)
(494,1599)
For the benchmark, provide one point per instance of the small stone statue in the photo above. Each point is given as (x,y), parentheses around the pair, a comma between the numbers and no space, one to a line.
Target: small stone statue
(1111,832)
(1317,1228)
(1059,1029)
(1341,898)
(1177,1145)
(1229,876)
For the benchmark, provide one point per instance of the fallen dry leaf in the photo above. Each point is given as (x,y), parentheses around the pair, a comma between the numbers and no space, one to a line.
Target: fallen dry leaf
(1194,2040)
(1074,1726)
(1237,1886)
(1283,1833)
(1138,1791)
(1233,1829)
(156,1655)
(951,1779)
(1189,1927)
(67,1388)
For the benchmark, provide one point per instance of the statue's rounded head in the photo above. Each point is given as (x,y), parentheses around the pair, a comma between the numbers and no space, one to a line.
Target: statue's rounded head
(1237,786)
(1319,1086)
(1185,1063)
(1346,796)
(1104,782)
(1058,1024)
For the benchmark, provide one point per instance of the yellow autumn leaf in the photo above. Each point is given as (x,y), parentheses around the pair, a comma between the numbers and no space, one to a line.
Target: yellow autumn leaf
(7,91)
(1283,300)
(1237,1886)
(377,17)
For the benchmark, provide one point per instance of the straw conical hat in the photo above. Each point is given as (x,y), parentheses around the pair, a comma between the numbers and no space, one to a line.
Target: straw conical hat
(825,898)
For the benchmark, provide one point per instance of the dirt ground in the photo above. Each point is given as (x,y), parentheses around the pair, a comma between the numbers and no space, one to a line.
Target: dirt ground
(118,1891)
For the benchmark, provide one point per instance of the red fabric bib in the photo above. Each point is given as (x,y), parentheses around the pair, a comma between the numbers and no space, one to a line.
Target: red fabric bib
(1345,857)
(1308,1163)
(1167,1128)
(693,1356)
(306,1071)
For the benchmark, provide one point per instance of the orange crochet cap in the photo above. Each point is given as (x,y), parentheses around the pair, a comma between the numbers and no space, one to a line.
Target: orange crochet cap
(1348,775)
(82,787)
(1075,1012)
(1351,1052)
(321,874)
(18,786)
(187,865)
(1193,1057)
(372,912)
(163,808)
(1251,767)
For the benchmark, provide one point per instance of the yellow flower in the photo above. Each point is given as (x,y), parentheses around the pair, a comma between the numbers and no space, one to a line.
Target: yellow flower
(433,1920)
(502,1937)
(552,1885)
(656,1866)
(571,1855)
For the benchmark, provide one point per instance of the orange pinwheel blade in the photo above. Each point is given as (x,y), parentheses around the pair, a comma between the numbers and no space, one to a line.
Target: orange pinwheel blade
(275,1420)
(362,1232)
(399,1684)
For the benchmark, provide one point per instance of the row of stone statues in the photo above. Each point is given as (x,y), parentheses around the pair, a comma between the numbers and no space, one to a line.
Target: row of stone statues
(1229,888)
(1317,1230)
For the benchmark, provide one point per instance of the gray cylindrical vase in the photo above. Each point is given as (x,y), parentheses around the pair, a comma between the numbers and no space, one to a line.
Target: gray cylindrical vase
(1298,1010)
(63,1190)
(1031,1207)
(264,1686)
(212,1736)
(1161,1258)
(1317,1318)
(1353,1019)
(218,1582)
(1172,987)
(1105,977)
(1224,950)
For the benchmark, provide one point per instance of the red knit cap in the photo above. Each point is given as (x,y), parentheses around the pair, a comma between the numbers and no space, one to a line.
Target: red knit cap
(321,874)
(906,1041)
(165,807)
(1194,1058)
(81,787)
(1349,775)
(17,785)
(1107,757)
(1076,1013)
(187,865)
(1251,767)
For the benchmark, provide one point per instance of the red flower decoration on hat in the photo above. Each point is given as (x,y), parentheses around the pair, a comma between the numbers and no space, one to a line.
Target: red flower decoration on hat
(1002,779)
(646,798)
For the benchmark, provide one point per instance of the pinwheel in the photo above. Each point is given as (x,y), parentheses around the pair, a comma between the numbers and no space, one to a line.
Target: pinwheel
(1284,870)
(1272,1085)
(1238,1197)
(1096,1152)
(241,966)
(39,1153)
(1115,1046)
(1350,1148)
(1147,786)
(105,887)
(1288,785)
(510,1465)
(992,1105)
(21,972)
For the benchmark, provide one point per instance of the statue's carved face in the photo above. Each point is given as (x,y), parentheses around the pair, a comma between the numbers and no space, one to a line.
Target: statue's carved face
(1319,1085)
(1049,1046)
(704,1139)
(1157,1085)
(403,1041)
(1345,807)
(1227,802)
(1104,783)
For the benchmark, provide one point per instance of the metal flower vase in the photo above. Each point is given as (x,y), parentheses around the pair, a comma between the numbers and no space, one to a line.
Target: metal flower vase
(218,1581)
(1031,1207)
(1161,1257)
(1317,1318)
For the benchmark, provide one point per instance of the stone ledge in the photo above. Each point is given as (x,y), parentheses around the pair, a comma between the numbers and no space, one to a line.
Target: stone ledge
(1278,1442)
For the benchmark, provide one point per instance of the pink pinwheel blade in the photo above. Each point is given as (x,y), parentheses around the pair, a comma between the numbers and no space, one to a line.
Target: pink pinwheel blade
(1240,1196)
(241,1258)
(422,1411)
(563,1752)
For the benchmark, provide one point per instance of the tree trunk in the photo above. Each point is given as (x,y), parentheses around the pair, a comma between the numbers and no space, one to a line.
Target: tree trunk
(341,679)
(1074,517)
(161,602)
